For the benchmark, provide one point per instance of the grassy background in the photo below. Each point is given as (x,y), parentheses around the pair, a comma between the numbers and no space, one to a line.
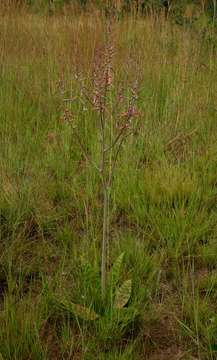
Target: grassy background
(164,193)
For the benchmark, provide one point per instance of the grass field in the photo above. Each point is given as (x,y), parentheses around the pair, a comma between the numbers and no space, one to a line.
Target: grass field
(163,197)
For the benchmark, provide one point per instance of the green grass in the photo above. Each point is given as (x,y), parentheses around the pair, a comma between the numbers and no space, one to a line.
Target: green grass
(163,208)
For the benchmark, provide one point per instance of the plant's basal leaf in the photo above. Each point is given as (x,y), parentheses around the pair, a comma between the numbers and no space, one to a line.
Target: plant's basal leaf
(79,310)
(123,294)
(116,269)
(84,312)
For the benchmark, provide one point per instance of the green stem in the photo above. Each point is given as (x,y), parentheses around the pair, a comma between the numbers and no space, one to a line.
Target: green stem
(104,240)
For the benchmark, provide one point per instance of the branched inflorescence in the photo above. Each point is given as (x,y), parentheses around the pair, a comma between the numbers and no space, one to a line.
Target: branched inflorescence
(115,113)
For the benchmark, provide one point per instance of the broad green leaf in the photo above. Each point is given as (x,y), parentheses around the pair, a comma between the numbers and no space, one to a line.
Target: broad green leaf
(80,311)
(123,294)
(84,312)
(116,269)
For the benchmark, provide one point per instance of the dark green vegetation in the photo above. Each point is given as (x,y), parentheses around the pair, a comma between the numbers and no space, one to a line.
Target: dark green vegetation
(172,8)
(163,198)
